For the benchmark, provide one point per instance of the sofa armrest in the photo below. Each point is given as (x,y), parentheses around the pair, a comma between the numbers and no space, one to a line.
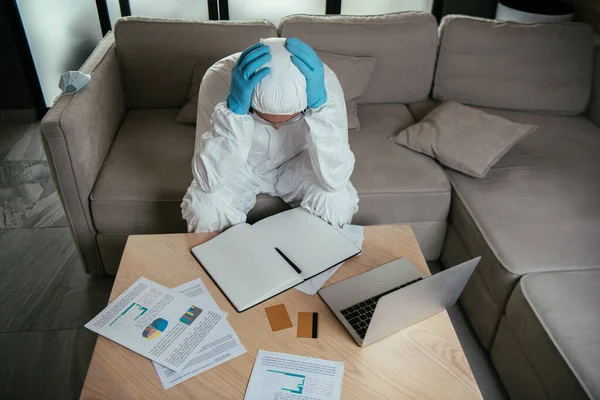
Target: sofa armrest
(78,131)
(593,111)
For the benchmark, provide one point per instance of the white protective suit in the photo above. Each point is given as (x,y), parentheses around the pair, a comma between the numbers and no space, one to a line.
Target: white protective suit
(308,161)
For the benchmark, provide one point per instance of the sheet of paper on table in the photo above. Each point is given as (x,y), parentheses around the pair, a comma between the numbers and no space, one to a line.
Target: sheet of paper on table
(157,323)
(222,345)
(353,233)
(279,376)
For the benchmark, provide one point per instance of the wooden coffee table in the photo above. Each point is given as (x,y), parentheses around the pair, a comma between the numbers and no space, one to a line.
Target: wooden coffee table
(424,361)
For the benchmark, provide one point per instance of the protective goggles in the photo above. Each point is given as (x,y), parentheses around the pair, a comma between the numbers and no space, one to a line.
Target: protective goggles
(263,121)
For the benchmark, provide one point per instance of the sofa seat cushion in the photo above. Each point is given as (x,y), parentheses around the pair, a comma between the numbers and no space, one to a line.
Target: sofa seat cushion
(538,208)
(147,172)
(555,319)
(145,175)
(395,184)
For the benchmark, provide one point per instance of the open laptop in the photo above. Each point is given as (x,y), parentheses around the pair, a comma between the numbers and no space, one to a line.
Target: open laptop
(392,297)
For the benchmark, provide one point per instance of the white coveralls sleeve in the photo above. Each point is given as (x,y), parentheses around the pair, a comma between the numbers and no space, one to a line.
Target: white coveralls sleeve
(224,149)
(213,90)
(327,138)
(332,197)
(221,179)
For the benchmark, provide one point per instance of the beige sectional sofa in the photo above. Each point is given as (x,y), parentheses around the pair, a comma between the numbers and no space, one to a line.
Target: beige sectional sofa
(122,165)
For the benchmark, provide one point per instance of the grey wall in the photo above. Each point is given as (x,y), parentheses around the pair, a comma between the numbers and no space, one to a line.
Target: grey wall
(14,90)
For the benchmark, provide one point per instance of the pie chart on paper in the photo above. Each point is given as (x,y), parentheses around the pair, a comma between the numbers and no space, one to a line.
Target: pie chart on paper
(154,330)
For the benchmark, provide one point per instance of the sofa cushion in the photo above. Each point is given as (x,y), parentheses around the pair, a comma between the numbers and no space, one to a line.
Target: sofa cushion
(352,114)
(140,187)
(404,69)
(538,208)
(157,56)
(527,67)
(188,113)
(353,73)
(555,319)
(145,175)
(395,185)
(462,138)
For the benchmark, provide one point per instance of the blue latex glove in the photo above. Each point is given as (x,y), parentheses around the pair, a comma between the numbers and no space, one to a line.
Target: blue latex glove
(244,77)
(308,62)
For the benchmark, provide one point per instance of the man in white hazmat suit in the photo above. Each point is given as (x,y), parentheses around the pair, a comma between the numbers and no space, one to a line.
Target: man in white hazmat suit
(282,131)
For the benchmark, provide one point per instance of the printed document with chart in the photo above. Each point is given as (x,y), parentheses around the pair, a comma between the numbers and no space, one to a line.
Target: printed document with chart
(221,346)
(157,323)
(279,376)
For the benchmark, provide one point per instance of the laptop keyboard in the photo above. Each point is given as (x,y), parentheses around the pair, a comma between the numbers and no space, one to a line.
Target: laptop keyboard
(359,315)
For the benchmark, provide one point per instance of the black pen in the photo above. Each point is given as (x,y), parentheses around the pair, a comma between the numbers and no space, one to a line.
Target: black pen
(288,260)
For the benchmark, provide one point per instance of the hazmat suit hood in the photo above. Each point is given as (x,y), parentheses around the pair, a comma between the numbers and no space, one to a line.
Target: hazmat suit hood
(283,90)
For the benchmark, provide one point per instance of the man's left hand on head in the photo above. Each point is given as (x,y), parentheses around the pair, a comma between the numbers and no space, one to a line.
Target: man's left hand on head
(308,62)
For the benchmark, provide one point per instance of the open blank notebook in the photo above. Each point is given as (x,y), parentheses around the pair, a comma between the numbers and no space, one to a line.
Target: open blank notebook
(244,263)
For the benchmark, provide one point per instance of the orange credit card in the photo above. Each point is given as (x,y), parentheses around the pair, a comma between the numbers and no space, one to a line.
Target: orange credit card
(278,317)
(308,325)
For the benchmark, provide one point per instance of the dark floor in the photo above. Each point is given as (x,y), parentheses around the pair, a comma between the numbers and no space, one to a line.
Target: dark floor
(28,198)
(45,298)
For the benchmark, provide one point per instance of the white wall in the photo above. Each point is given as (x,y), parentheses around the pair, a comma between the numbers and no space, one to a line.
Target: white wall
(61,35)
(273,10)
(371,7)
(182,9)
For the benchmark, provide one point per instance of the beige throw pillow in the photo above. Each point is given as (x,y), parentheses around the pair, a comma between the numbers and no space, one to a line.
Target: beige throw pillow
(353,73)
(187,115)
(463,138)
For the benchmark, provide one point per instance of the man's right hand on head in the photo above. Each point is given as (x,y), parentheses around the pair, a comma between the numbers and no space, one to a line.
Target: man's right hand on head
(245,77)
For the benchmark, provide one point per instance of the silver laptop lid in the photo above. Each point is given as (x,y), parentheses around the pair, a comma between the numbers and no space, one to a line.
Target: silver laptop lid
(368,284)
(421,300)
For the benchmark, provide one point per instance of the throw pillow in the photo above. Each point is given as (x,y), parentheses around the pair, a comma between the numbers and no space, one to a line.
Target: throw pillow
(352,114)
(187,114)
(463,138)
(353,73)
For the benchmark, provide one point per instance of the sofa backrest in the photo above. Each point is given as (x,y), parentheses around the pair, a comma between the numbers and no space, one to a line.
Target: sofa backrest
(158,56)
(404,44)
(543,67)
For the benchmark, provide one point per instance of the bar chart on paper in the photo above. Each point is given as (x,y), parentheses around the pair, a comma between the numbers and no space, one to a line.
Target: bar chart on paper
(279,376)
(285,381)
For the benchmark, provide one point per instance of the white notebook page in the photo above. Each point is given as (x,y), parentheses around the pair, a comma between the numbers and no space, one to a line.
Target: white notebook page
(245,266)
(308,241)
